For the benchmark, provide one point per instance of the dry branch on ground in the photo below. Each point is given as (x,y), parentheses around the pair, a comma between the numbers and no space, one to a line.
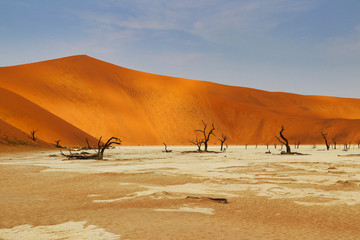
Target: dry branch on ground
(99,152)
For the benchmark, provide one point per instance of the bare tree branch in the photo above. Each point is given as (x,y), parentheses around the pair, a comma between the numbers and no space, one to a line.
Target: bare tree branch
(32,133)
(284,140)
(206,134)
(222,140)
(58,144)
(166,150)
(283,143)
(88,144)
(334,141)
(324,135)
(197,142)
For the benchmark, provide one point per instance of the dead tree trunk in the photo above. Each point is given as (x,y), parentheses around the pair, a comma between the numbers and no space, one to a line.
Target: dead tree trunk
(166,150)
(206,134)
(88,144)
(222,140)
(334,142)
(284,141)
(109,142)
(58,144)
(324,135)
(32,135)
(198,143)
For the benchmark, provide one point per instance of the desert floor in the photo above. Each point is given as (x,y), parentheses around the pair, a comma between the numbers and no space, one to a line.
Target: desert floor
(141,193)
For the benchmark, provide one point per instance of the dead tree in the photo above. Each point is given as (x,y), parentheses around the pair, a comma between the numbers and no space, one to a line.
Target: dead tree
(358,143)
(99,152)
(32,135)
(206,134)
(334,141)
(109,142)
(267,145)
(222,140)
(284,141)
(166,150)
(88,144)
(57,144)
(197,142)
(324,135)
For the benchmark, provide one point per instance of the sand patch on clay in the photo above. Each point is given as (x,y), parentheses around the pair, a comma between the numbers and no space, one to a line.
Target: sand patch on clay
(272,191)
(326,198)
(68,230)
(141,193)
(177,191)
(207,211)
(226,174)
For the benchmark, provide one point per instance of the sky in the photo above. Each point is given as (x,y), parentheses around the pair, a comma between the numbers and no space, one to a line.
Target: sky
(309,47)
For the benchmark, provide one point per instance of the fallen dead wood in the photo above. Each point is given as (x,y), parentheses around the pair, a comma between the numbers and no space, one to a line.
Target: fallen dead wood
(220,200)
(293,153)
(349,155)
(197,151)
(80,156)
(99,152)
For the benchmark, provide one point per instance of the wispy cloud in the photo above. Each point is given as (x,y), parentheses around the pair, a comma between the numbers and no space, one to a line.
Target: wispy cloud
(238,42)
(208,19)
(177,59)
(344,49)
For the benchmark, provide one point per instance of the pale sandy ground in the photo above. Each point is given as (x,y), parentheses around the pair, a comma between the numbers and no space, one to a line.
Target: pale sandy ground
(140,193)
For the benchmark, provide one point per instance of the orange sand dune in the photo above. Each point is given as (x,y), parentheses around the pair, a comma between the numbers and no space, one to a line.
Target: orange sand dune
(10,136)
(103,99)
(27,116)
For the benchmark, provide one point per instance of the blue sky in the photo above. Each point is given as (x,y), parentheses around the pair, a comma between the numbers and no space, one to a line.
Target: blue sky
(301,46)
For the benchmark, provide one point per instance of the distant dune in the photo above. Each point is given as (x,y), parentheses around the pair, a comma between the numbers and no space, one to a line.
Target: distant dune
(80,97)
(10,135)
(27,116)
